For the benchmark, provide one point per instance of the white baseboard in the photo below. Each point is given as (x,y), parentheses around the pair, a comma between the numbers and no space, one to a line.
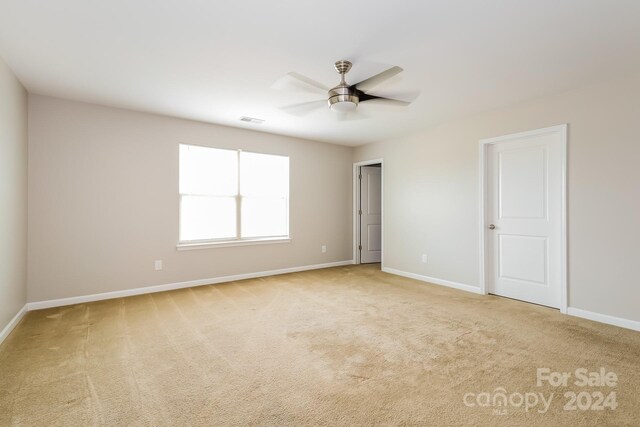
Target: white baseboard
(442,282)
(171,286)
(12,323)
(604,318)
(597,317)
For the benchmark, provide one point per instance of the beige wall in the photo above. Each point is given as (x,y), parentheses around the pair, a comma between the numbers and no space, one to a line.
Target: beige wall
(13,195)
(103,194)
(431,194)
(104,205)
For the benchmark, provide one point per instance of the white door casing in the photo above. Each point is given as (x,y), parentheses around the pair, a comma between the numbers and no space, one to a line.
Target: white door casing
(525,216)
(370,211)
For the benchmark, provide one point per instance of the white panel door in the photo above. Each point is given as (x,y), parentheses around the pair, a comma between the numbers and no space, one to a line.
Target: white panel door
(370,214)
(524,216)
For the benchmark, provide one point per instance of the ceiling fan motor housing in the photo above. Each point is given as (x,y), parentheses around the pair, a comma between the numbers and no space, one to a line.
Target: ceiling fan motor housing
(343,98)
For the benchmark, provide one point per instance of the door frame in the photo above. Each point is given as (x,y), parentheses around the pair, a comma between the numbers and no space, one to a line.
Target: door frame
(562,130)
(356,219)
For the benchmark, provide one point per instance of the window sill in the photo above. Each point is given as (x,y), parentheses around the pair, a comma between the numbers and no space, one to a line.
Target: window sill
(249,242)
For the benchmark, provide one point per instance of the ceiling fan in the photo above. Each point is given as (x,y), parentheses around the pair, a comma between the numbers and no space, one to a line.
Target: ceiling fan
(344,98)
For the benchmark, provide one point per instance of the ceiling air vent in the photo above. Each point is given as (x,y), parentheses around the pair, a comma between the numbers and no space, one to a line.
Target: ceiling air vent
(251,120)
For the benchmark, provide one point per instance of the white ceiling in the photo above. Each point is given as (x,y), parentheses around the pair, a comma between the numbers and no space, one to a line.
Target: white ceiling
(215,61)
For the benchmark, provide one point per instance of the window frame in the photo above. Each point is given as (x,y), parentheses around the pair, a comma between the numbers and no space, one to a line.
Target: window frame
(238,240)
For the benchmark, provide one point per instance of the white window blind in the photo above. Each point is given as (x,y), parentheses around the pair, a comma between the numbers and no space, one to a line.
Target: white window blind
(229,195)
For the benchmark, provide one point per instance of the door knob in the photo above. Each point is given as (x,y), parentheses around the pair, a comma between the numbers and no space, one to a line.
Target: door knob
(492,227)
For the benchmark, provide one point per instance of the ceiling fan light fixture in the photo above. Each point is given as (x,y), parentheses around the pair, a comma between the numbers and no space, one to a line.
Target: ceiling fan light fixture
(343,103)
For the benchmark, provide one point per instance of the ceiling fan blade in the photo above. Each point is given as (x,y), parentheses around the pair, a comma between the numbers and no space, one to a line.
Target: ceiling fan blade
(373,81)
(299,82)
(408,96)
(309,82)
(304,108)
(382,100)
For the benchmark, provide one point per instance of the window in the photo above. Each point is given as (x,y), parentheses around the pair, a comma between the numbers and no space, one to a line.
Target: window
(232,195)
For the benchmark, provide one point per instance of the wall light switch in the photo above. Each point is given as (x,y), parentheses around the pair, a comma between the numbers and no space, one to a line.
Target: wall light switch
(158,264)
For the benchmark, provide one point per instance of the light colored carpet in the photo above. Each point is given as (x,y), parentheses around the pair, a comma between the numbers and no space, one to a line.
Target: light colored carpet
(341,346)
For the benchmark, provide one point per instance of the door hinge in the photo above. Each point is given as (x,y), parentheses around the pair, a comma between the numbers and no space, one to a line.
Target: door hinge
(360,212)
(360,177)
(359,247)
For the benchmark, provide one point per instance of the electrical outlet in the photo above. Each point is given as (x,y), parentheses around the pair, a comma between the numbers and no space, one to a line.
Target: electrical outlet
(158,264)
(324,249)
(424,258)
